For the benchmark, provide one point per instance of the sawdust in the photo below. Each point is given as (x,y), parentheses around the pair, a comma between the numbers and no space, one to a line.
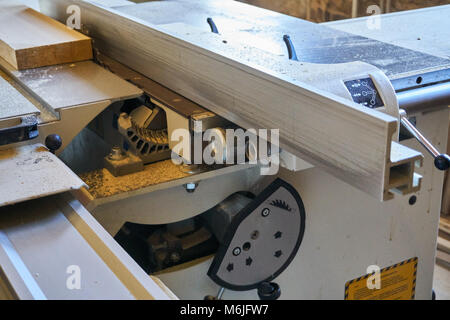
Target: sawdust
(41,149)
(8,153)
(103,184)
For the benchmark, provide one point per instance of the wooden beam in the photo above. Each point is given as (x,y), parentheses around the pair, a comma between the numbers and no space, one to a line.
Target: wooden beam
(256,89)
(29,39)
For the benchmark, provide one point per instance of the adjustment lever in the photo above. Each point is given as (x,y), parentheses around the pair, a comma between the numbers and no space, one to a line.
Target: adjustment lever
(441,160)
(290,47)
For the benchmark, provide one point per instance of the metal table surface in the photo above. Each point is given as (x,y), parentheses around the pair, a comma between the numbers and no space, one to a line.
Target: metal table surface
(313,42)
(426,30)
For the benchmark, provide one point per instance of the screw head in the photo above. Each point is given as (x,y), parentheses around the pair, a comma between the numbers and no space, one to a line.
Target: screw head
(190,187)
(265,212)
(236,251)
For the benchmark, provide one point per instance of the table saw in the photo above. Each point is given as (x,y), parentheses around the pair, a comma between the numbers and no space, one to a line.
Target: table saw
(89,188)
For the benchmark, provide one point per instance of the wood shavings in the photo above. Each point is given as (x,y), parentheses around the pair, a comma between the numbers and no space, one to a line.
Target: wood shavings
(103,184)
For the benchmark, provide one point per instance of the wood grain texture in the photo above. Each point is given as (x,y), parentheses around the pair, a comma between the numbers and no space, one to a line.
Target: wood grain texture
(29,39)
(253,89)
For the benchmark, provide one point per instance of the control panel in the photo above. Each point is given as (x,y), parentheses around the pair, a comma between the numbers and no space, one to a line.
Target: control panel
(363,91)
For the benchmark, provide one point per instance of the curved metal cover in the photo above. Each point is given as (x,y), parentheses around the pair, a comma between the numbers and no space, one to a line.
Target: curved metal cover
(277,216)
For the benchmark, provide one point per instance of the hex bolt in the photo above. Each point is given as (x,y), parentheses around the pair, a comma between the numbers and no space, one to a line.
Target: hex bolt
(116,154)
(236,251)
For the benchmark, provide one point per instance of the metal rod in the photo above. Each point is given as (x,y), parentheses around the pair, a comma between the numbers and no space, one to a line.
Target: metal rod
(220,293)
(441,160)
(416,133)
(424,97)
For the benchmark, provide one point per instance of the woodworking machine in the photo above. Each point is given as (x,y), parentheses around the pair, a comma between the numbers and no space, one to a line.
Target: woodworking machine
(88,188)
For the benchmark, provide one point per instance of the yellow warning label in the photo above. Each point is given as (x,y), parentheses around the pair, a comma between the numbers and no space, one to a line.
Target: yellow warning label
(397,282)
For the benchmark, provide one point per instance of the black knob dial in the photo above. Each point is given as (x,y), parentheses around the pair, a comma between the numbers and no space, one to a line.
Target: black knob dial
(442,162)
(53,142)
(269,291)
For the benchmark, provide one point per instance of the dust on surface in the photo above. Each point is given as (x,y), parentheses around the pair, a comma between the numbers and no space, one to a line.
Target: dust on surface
(103,184)
(8,153)
(41,149)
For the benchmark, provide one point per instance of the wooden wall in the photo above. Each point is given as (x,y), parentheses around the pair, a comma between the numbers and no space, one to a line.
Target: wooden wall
(329,10)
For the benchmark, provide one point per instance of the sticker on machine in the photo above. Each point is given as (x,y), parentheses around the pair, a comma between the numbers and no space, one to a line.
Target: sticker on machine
(397,282)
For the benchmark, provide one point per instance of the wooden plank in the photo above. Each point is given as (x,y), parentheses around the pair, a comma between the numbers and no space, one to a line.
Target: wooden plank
(253,89)
(444,226)
(443,245)
(29,39)
(443,259)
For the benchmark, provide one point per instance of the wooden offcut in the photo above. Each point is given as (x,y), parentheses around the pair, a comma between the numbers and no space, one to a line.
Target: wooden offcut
(29,39)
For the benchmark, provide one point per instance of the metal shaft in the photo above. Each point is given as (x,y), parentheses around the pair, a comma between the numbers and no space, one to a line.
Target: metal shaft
(220,293)
(416,133)
(441,161)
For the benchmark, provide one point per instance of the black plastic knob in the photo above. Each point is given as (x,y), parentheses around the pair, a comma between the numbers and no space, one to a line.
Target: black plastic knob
(442,162)
(269,291)
(53,142)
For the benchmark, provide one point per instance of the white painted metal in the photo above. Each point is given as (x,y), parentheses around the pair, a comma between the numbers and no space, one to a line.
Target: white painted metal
(346,231)
(31,172)
(16,273)
(44,238)
(74,84)
(12,102)
(210,73)
(426,30)
(170,202)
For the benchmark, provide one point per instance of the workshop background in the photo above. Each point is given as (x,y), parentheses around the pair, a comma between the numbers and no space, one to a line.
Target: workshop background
(331,10)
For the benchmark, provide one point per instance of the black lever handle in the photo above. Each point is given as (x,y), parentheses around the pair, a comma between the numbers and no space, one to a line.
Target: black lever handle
(212,25)
(290,47)
(53,142)
(441,160)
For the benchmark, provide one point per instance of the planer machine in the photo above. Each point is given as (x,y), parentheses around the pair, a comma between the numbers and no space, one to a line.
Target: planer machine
(88,182)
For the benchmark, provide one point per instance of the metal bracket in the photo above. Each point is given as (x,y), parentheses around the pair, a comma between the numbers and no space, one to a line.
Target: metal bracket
(26,130)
